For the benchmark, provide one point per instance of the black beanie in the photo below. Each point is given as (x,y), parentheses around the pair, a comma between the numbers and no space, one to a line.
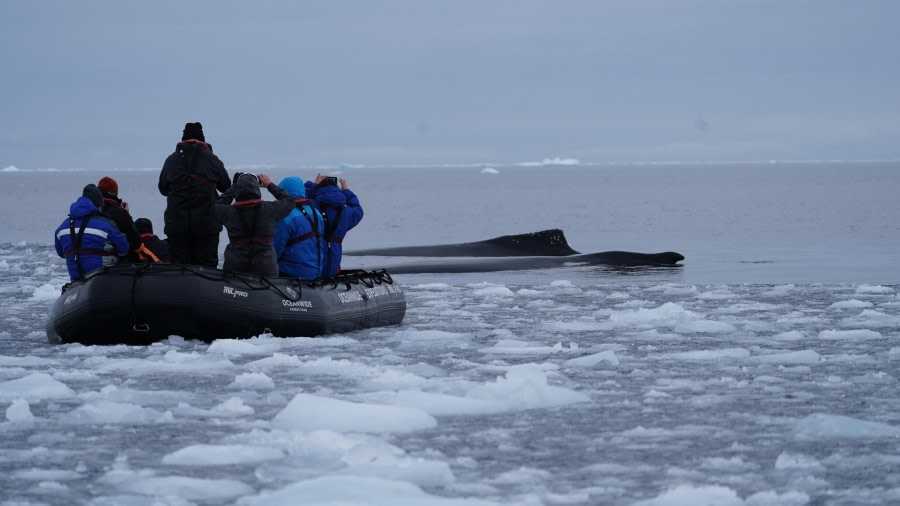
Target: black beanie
(144,225)
(93,193)
(193,131)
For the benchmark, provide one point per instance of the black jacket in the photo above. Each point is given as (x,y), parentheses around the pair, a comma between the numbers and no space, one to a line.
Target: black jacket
(189,179)
(112,207)
(157,246)
(250,223)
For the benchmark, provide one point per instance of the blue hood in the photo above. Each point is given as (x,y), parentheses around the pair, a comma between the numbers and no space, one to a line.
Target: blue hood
(294,186)
(82,207)
(331,196)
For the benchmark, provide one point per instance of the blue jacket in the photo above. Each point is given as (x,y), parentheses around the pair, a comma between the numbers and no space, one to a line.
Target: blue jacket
(100,244)
(331,200)
(299,238)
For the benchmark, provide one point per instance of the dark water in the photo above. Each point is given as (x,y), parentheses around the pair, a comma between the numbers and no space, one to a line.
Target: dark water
(737,223)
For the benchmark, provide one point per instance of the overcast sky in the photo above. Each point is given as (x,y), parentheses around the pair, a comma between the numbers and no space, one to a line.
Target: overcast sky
(110,84)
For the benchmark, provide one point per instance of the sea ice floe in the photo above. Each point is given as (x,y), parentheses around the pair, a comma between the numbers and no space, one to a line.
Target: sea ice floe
(253,381)
(824,426)
(725,353)
(241,347)
(704,327)
(791,357)
(850,304)
(46,292)
(849,334)
(355,490)
(668,313)
(35,386)
(19,411)
(221,455)
(108,412)
(873,289)
(525,386)
(311,412)
(593,360)
(517,347)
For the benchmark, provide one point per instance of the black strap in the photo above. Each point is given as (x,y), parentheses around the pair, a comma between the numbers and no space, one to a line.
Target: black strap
(76,239)
(315,227)
(331,225)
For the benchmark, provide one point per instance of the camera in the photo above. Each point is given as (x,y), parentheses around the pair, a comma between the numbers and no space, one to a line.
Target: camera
(329,181)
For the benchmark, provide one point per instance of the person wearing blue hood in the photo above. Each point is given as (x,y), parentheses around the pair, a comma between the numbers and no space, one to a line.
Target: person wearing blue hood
(89,239)
(299,237)
(341,210)
(250,223)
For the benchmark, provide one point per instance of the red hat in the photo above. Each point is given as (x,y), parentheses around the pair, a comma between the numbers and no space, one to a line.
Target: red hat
(109,185)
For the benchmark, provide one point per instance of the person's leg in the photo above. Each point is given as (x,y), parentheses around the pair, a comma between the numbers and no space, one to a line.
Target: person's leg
(206,250)
(180,249)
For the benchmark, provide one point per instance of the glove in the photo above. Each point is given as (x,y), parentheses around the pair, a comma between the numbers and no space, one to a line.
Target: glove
(237,175)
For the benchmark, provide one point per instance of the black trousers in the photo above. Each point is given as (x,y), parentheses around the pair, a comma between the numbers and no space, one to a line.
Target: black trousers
(202,249)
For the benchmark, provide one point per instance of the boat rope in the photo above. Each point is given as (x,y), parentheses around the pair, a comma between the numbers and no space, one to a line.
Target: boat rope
(138,269)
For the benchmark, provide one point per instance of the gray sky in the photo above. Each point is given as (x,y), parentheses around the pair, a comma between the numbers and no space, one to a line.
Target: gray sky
(110,84)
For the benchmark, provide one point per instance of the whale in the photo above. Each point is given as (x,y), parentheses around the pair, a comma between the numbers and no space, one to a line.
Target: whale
(550,242)
(536,250)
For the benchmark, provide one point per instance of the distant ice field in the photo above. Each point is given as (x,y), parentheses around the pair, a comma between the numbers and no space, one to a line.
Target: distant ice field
(764,371)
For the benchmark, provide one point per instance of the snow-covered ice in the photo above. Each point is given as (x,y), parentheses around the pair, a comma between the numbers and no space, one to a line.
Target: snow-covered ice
(564,389)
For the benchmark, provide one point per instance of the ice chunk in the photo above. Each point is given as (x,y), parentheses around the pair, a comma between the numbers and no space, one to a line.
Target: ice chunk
(792,357)
(104,412)
(494,291)
(689,495)
(849,334)
(35,386)
(311,412)
(821,426)
(592,360)
(525,387)
(443,404)
(349,490)
(668,313)
(253,381)
(710,354)
(221,455)
(19,411)
(46,292)
(850,304)
(705,327)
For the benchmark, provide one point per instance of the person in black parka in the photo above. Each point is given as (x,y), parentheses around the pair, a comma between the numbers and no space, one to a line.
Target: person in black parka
(155,249)
(118,211)
(250,223)
(191,180)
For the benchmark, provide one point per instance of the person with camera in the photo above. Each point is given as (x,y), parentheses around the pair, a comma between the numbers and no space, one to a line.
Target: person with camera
(341,210)
(117,210)
(191,179)
(299,242)
(250,223)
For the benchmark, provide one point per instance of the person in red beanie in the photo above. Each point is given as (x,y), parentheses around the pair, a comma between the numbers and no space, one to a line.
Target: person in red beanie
(191,179)
(117,210)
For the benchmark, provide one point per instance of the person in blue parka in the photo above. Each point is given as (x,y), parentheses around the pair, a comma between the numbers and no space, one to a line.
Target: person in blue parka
(341,210)
(89,239)
(299,237)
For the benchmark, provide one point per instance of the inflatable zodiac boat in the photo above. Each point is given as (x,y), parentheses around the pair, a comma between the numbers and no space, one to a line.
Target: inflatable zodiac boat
(144,303)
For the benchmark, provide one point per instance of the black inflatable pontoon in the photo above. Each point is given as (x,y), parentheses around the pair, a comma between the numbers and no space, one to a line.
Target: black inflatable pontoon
(144,303)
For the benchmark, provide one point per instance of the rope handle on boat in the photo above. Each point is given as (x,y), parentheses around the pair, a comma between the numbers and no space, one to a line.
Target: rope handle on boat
(138,270)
